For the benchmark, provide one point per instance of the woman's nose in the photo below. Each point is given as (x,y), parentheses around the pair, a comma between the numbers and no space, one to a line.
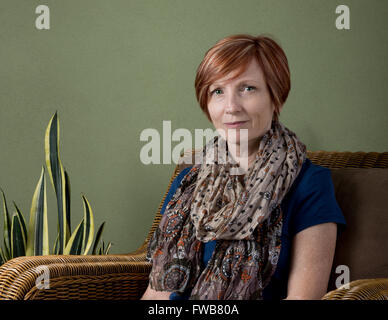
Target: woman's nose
(232,104)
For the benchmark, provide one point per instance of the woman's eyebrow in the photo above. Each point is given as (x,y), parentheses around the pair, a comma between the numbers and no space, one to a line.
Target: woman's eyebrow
(249,80)
(238,83)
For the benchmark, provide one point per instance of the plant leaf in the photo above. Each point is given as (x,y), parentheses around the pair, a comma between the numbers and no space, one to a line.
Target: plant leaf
(56,246)
(98,237)
(108,248)
(7,226)
(37,243)
(58,180)
(74,244)
(89,226)
(67,199)
(22,223)
(7,251)
(2,257)
(17,237)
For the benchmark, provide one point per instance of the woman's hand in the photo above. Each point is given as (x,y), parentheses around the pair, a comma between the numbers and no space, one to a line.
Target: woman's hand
(312,256)
(151,294)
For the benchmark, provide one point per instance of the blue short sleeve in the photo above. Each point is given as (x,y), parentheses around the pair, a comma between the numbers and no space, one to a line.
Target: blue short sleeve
(314,201)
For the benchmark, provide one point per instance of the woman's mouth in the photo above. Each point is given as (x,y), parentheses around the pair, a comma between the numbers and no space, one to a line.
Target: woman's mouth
(235,124)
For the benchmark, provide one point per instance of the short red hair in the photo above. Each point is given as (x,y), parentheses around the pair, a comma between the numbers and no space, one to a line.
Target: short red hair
(233,54)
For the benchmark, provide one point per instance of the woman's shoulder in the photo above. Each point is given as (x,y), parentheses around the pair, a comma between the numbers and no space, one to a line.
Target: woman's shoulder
(312,180)
(311,199)
(311,173)
(311,177)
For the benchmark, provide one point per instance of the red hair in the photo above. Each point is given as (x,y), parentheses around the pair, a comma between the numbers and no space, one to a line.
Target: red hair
(233,54)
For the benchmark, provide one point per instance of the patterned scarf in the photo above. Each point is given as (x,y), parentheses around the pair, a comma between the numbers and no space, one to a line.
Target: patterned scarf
(244,217)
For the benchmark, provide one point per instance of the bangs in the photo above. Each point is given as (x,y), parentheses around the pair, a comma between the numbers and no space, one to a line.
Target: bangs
(227,61)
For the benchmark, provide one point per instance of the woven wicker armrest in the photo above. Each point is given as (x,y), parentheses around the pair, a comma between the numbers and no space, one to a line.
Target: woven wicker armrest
(75,277)
(365,289)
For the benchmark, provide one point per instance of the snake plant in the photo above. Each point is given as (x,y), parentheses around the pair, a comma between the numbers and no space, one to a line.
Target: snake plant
(22,240)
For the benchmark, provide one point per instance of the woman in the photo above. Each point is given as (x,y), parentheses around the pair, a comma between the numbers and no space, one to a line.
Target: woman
(269,233)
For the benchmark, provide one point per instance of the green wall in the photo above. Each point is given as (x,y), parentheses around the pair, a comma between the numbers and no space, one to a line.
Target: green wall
(114,68)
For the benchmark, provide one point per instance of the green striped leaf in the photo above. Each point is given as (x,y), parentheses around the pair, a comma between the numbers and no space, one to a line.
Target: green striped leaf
(56,246)
(18,239)
(98,237)
(37,243)
(89,226)
(7,251)
(74,245)
(67,199)
(3,259)
(58,179)
(108,248)
(22,223)
(7,227)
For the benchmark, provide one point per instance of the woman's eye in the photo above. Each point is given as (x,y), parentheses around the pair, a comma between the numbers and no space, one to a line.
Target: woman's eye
(249,88)
(217,91)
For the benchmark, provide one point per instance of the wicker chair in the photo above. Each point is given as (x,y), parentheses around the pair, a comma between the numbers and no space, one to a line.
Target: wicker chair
(125,276)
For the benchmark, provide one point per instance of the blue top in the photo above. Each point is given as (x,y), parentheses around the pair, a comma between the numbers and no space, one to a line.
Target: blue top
(310,201)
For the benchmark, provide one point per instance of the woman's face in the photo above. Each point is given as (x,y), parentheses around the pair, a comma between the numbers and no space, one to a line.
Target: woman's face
(241,103)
